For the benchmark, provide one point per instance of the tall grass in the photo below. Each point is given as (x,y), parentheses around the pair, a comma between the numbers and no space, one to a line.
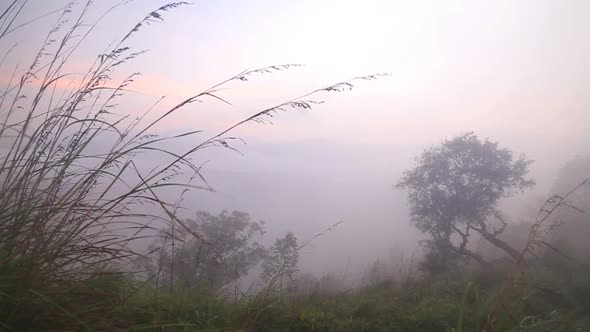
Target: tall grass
(70,185)
(536,241)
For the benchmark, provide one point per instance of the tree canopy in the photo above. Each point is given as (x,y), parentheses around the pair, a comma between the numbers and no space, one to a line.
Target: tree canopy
(229,253)
(454,190)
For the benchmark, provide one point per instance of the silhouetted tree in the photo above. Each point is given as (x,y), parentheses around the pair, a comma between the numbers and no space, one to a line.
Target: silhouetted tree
(281,260)
(230,250)
(453,193)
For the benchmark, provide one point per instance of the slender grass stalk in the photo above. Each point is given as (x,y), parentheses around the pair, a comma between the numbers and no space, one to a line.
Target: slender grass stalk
(535,241)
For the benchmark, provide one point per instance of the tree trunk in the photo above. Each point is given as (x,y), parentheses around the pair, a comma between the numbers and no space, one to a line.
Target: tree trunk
(475,257)
(500,244)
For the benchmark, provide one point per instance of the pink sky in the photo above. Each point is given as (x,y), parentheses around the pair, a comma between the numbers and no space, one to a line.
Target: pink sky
(514,71)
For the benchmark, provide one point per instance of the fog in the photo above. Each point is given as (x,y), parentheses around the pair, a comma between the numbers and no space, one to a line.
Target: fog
(513,72)
(305,186)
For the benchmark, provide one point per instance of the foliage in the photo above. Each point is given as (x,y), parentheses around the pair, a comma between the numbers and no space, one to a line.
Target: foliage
(228,254)
(454,190)
(452,301)
(282,258)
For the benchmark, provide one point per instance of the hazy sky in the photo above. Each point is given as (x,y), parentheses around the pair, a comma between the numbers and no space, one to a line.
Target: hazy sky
(514,71)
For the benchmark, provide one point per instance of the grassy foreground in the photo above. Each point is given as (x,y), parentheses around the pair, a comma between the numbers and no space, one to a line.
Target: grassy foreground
(555,298)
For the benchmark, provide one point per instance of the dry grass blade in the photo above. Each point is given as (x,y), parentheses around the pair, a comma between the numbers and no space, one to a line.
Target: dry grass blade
(535,238)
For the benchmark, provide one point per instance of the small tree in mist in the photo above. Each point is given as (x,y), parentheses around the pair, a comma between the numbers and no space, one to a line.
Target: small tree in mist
(228,254)
(281,259)
(454,191)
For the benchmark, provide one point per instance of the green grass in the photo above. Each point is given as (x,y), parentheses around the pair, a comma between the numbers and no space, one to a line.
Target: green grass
(458,301)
